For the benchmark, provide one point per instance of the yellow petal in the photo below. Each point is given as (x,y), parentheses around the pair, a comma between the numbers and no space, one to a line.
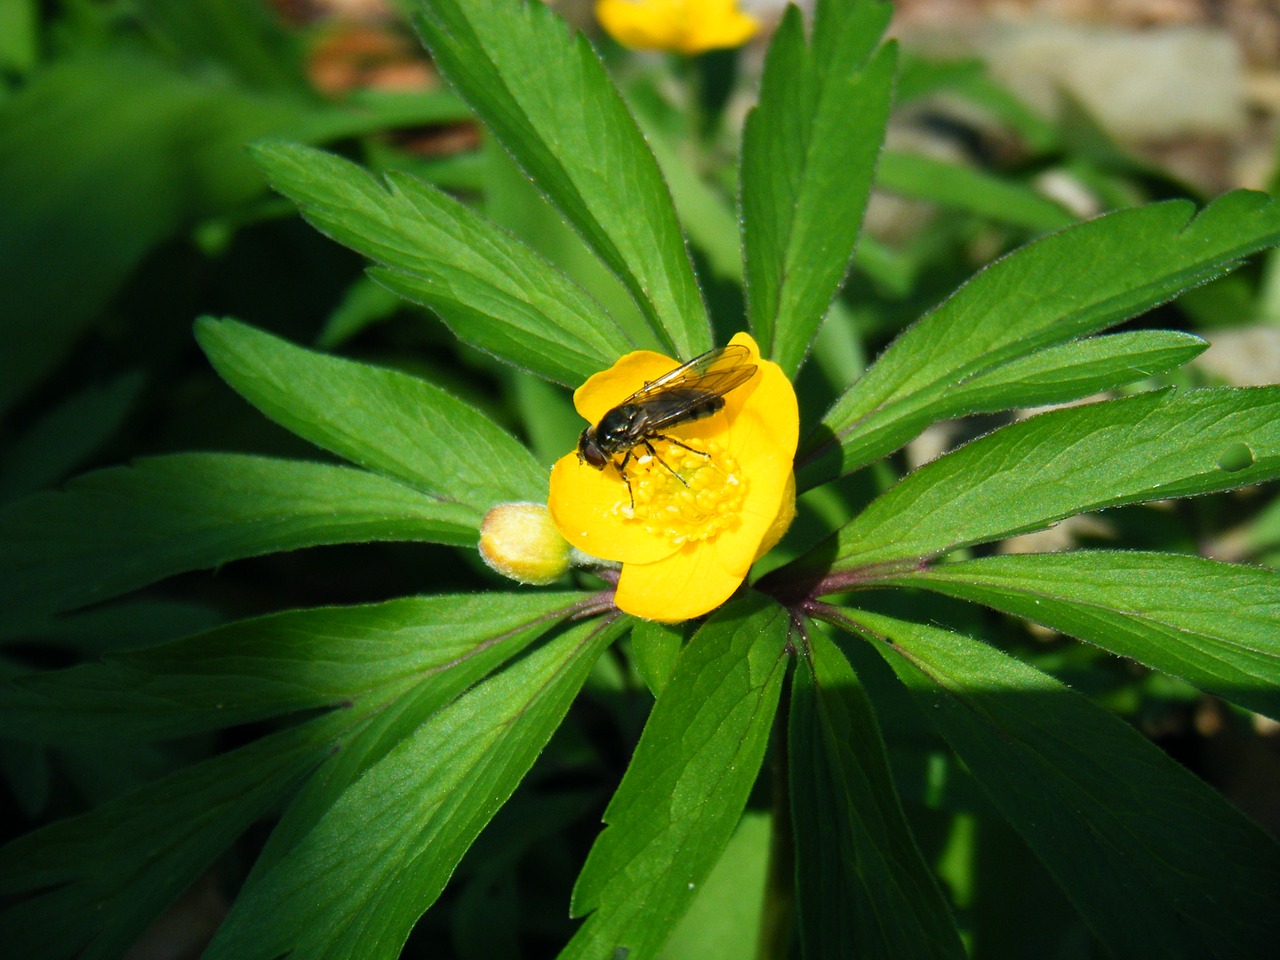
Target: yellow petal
(737,548)
(605,390)
(586,504)
(766,422)
(760,427)
(686,584)
(782,522)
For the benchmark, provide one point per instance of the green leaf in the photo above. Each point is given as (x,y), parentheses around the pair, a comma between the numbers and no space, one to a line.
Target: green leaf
(863,889)
(654,648)
(545,95)
(1059,288)
(363,305)
(724,919)
(67,435)
(809,152)
(971,190)
(390,422)
(1031,474)
(236,36)
(705,212)
(507,625)
(1156,862)
(118,529)
(19,36)
(273,665)
(494,291)
(511,199)
(99,879)
(686,786)
(98,164)
(1074,370)
(1215,625)
(549,423)
(356,883)
(1077,369)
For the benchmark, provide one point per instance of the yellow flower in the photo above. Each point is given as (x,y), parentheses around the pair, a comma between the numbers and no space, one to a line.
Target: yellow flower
(685,26)
(689,540)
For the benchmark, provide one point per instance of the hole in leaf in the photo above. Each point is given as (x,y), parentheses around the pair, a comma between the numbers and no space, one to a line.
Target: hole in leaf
(1236,457)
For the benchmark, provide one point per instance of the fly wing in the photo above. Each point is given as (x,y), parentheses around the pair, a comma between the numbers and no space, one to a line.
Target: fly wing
(714,373)
(690,391)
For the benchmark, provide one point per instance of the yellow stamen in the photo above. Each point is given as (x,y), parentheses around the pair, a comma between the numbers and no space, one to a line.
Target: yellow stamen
(704,500)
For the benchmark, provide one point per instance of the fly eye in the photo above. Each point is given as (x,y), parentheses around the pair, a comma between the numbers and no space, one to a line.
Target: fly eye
(589,450)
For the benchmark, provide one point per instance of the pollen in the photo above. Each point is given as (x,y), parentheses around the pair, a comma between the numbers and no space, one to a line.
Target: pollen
(684,495)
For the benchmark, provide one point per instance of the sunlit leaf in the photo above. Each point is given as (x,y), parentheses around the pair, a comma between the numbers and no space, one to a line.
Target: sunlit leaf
(1077,369)
(863,888)
(1156,862)
(273,665)
(494,291)
(355,884)
(121,528)
(654,649)
(1216,625)
(724,919)
(545,95)
(686,786)
(1033,473)
(1061,287)
(385,420)
(809,151)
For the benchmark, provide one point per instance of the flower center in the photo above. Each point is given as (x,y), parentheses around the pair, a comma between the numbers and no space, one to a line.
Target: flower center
(697,498)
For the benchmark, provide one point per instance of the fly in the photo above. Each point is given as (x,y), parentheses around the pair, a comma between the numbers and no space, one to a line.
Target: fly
(692,391)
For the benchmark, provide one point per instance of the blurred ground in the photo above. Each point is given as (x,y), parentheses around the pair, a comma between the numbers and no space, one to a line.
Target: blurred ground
(1192,85)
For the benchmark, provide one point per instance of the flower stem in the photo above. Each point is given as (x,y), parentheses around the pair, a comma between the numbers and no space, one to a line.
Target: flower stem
(794,591)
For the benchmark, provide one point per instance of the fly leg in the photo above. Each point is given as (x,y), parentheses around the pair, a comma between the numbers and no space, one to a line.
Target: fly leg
(654,453)
(622,472)
(663,436)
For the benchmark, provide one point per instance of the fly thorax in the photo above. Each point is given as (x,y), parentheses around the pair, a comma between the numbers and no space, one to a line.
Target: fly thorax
(700,496)
(621,425)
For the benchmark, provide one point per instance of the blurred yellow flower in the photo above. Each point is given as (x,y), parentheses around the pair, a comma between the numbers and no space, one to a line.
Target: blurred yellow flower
(701,516)
(684,26)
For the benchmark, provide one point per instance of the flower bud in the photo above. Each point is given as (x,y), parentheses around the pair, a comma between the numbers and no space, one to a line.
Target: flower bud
(520,541)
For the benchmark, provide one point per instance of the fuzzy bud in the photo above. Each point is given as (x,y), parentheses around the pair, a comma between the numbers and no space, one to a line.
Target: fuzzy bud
(520,541)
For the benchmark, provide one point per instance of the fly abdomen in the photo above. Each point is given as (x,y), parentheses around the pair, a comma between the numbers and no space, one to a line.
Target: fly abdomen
(679,406)
(708,407)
